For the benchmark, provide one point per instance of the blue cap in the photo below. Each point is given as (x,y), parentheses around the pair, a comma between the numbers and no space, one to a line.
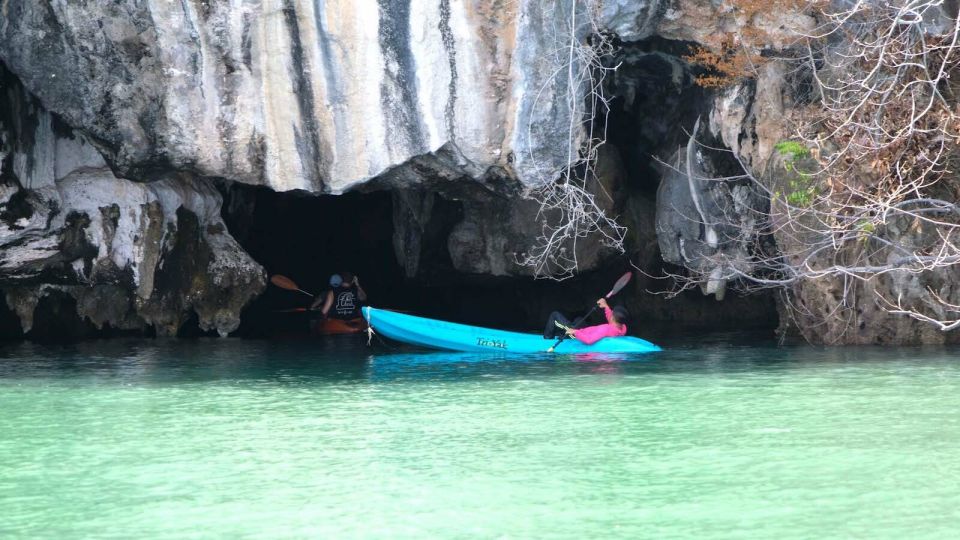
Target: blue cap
(335,280)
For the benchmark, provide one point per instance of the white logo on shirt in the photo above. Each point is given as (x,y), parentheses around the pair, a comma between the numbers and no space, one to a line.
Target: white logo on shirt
(345,302)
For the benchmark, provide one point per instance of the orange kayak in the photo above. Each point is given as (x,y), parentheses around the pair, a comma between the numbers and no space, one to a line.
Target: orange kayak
(330,327)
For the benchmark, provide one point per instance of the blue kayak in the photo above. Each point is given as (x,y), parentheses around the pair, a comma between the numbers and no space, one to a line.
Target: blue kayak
(460,337)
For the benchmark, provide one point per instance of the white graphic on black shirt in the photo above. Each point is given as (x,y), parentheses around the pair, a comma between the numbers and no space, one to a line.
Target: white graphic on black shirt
(346,303)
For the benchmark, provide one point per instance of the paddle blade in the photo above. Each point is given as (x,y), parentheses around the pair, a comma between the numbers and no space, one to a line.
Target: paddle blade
(620,284)
(284,282)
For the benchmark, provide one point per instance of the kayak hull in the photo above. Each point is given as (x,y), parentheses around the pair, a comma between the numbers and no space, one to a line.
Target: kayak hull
(460,337)
(334,327)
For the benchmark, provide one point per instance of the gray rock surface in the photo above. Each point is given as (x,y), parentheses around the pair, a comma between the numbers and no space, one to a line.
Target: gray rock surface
(309,95)
(131,254)
(705,224)
(130,108)
(321,96)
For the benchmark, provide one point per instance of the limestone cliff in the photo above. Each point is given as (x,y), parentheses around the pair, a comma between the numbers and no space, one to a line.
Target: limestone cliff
(323,95)
(118,119)
(130,254)
(294,94)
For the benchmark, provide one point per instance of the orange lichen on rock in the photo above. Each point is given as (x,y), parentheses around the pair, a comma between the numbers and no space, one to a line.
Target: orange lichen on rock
(737,56)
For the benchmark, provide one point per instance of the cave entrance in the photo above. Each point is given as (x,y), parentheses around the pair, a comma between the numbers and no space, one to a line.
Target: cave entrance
(654,106)
(655,103)
(308,238)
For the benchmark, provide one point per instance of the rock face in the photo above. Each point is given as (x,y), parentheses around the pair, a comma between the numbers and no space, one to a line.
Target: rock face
(306,95)
(130,111)
(832,310)
(321,96)
(485,230)
(708,221)
(149,259)
(290,94)
(705,224)
(131,255)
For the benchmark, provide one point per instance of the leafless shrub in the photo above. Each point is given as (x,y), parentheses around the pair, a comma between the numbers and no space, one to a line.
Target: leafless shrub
(866,189)
(569,210)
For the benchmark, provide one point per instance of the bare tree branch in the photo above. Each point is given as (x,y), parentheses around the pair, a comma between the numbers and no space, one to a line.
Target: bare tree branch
(569,211)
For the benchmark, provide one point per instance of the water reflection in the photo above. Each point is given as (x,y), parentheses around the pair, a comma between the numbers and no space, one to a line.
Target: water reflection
(607,357)
(347,361)
(188,361)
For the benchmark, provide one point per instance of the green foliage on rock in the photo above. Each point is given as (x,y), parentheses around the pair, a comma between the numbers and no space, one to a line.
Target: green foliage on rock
(792,149)
(791,152)
(801,190)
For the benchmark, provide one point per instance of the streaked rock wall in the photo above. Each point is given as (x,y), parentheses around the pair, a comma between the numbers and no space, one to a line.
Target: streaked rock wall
(301,94)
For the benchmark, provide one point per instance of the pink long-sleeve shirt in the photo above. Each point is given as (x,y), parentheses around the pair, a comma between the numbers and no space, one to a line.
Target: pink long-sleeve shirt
(593,334)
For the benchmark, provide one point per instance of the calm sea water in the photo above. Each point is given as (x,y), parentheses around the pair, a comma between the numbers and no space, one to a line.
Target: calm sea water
(232,439)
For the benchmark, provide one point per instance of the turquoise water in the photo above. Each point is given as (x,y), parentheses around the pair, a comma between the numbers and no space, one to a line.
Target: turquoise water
(233,439)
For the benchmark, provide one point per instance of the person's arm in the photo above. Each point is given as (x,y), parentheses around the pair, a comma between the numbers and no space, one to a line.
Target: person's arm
(607,312)
(328,304)
(361,294)
(317,301)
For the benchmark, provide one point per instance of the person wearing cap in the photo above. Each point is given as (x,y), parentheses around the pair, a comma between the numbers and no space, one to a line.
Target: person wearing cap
(343,299)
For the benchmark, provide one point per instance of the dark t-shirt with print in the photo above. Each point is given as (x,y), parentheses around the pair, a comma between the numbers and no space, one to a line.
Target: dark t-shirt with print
(346,303)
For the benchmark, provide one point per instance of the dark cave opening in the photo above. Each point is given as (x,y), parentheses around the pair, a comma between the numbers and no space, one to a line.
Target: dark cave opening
(55,319)
(654,105)
(9,322)
(307,238)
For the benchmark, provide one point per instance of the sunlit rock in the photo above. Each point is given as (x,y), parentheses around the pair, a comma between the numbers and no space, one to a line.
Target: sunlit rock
(316,96)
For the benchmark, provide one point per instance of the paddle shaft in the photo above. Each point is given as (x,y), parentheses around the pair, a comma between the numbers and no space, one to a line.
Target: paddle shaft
(574,327)
(288,284)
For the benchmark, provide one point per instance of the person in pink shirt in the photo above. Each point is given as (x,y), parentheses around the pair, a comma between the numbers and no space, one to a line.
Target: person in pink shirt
(616,325)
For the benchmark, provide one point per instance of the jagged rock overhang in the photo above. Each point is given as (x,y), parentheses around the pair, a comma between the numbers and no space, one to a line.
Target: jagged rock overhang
(110,254)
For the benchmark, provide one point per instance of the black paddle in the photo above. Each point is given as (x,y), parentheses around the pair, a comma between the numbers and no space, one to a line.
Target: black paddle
(620,284)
